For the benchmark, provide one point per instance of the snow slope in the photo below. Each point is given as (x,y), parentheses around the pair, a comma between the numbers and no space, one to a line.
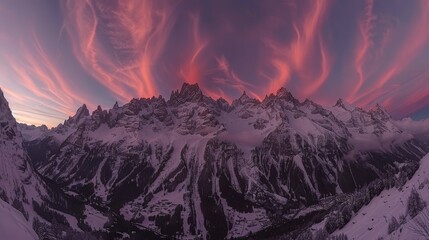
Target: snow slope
(13,225)
(371,221)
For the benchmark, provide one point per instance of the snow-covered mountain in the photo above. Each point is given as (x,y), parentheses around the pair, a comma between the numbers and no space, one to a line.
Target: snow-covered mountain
(192,166)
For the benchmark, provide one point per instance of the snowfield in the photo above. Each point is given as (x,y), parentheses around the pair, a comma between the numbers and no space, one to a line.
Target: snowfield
(371,221)
(13,225)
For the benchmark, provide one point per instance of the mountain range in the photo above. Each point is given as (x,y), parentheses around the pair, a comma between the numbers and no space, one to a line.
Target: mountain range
(193,167)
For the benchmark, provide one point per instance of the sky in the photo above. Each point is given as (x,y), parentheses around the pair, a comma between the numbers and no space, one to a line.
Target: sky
(57,55)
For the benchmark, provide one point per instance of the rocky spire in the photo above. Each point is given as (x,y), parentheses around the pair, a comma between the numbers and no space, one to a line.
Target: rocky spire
(244,98)
(341,103)
(7,121)
(379,112)
(4,107)
(188,93)
(80,114)
(116,106)
(285,94)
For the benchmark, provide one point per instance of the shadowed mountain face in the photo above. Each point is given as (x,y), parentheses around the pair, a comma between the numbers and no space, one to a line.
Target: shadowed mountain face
(193,166)
(19,185)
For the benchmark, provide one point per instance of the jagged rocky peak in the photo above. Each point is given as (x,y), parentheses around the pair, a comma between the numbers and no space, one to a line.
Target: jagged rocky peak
(116,106)
(100,115)
(43,127)
(99,111)
(380,112)
(6,117)
(2,99)
(308,102)
(80,115)
(269,99)
(222,104)
(8,125)
(285,94)
(245,99)
(282,97)
(188,93)
(4,106)
(341,103)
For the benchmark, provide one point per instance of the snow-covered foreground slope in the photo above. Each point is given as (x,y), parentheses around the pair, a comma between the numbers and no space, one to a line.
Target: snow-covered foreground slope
(371,222)
(13,225)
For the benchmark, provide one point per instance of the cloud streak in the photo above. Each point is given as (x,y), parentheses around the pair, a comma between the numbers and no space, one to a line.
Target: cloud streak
(103,51)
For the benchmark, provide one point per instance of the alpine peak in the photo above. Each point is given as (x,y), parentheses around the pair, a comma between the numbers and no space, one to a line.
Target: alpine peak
(345,105)
(81,113)
(3,102)
(116,106)
(188,93)
(380,111)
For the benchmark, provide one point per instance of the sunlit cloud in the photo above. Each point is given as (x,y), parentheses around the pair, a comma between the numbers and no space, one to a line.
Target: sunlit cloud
(365,43)
(120,44)
(306,49)
(410,48)
(232,80)
(191,70)
(41,83)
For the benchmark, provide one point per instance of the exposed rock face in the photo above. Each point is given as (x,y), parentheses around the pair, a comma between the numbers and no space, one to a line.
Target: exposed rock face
(192,166)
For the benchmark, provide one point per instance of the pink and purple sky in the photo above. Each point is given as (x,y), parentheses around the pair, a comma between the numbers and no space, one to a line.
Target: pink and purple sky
(57,55)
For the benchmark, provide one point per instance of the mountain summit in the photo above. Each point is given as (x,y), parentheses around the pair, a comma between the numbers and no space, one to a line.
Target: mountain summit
(188,93)
(79,116)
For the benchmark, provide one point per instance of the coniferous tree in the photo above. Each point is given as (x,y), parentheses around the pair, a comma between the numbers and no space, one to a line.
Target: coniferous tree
(321,234)
(415,203)
(306,235)
(340,236)
(393,225)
